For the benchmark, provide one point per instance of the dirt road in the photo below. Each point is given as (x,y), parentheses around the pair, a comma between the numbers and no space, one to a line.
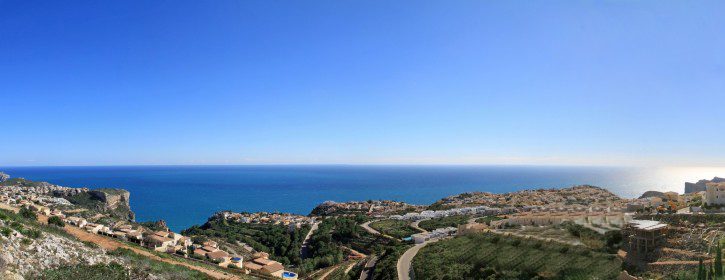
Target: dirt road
(303,251)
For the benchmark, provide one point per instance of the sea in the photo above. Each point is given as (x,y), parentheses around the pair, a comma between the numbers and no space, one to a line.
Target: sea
(187,195)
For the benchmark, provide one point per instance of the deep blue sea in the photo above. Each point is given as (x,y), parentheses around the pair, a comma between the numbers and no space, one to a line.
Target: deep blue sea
(187,195)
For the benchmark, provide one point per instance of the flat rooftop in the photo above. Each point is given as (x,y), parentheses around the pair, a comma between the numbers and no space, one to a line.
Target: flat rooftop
(647,224)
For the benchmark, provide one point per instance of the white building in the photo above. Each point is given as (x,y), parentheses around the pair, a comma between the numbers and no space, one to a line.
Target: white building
(715,194)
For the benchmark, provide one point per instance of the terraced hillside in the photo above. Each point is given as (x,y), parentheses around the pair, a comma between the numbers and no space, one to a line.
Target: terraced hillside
(490,255)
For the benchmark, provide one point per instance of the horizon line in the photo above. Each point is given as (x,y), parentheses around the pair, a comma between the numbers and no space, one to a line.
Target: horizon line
(367,164)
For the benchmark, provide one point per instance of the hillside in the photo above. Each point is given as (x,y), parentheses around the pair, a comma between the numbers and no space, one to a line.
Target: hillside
(30,250)
(495,257)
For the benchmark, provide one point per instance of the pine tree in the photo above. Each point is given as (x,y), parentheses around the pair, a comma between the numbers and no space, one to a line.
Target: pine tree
(718,262)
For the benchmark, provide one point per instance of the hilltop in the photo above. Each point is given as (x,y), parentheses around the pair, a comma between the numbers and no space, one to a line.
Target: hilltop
(581,195)
(114,203)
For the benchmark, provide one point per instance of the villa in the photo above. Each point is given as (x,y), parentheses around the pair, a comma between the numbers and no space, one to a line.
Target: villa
(93,228)
(158,242)
(237,262)
(266,266)
(715,194)
(76,221)
(219,257)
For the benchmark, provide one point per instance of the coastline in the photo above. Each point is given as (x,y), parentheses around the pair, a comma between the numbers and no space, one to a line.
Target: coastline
(158,192)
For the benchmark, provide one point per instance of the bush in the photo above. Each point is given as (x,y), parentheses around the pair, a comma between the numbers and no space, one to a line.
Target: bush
(28,214)
(394,228)
(31,233)
(90,244)
(56,221)
(112,271)
(6,231)
(451,221)
(143,267)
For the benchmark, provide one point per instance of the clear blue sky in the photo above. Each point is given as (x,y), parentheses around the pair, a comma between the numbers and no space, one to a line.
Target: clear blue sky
(469,82)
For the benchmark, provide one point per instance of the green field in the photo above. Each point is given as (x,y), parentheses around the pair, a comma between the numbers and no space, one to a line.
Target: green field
(481,256)
(394,228)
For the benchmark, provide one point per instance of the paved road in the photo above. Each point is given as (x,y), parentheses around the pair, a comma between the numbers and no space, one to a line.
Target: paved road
(405,261)
(415,226)
(111,244)
(367,272)
(369,229)
(305,243)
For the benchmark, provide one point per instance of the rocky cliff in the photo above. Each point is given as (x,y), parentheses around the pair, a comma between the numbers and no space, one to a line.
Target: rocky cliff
(700,185)
(114,200)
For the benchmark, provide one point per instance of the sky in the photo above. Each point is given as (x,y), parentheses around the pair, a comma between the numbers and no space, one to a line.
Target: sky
(362,82)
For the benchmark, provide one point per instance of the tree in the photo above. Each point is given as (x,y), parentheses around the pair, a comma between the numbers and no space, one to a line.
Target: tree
(718,262)
(700,271)
(56,221)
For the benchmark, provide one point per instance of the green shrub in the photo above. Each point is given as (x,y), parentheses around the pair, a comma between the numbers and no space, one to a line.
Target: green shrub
(56,221)
(394,228)
(90,244)
(142,267)
(28,214)
(112,271)
(31,233)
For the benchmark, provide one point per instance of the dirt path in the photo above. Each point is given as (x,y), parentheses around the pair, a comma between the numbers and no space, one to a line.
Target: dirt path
(349,267)
(324,275)
(111,244)
(305,243)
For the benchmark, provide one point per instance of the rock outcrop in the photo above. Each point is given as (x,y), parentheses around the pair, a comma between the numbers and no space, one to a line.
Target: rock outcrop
(4,177)
(20,257)
(114,200)
(701,185)
(653,194)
